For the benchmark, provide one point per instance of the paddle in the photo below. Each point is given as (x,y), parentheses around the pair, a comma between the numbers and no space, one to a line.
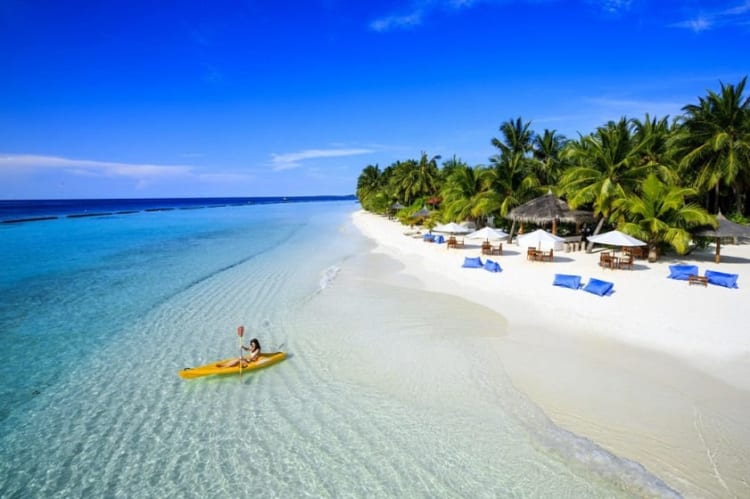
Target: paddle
(240,333)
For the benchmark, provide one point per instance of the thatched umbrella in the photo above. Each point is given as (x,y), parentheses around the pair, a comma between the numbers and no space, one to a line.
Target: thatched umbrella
(725,228)
(423,213)
(547,208)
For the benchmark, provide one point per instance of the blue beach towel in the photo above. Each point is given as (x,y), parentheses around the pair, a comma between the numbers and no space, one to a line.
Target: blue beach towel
(472,263)
(567,281)
(429,238)
(492,266)
(440,240)
(598,287)
(722,278)
(682,272)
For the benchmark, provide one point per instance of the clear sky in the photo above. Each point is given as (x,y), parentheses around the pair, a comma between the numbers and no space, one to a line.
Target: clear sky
(129,98)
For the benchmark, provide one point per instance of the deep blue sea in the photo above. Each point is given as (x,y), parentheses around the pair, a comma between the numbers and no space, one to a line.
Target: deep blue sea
(377,398)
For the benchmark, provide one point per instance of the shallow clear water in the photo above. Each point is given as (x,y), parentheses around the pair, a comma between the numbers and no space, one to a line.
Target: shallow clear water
(384,393)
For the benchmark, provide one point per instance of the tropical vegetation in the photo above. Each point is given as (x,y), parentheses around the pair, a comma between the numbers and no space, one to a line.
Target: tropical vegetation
(656,179)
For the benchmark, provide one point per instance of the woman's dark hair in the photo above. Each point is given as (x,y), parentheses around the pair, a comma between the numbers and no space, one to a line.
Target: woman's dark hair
(256,342)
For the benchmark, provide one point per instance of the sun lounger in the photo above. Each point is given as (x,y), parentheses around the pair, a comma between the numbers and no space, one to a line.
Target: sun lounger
(492,266)
(682,272)
(567,281)
(429,238)
(473,262)
(598,287)
(722,279)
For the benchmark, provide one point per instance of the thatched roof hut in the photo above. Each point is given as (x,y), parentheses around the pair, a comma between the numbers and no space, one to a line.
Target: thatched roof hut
(423,213)
(548,208)
(725,229)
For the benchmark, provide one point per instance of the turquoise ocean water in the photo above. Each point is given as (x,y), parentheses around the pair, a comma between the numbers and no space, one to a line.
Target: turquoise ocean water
(383,393)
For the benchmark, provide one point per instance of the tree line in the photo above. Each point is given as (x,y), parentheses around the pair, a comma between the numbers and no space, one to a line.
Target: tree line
(653,178)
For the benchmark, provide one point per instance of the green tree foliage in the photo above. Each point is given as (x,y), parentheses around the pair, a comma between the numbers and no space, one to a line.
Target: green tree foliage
(547,151)
(654,138)
(369,185)
(514,174)
(644,174)
(714,142)
(415,179)
(466,193)
(660,214)
(449,166)
(606,166)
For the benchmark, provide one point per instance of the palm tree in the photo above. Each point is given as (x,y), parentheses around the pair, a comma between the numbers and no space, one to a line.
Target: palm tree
(517,137)
(514,178)
(547,150)
(655,137)
(449,166)
(466,193)
(369,183)
(412,180)
(660,214)
(605,167)
(715,142)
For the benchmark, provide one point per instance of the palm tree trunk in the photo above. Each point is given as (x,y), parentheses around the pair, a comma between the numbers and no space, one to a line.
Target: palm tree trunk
(716,198)
(599,226)
(739,201)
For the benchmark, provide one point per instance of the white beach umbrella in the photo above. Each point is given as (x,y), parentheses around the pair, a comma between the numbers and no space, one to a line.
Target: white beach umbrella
(451,228)
(488,233)
(541,239)
(616,238)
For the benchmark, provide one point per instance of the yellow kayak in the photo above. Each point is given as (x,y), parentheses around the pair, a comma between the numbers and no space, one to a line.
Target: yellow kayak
(265,360)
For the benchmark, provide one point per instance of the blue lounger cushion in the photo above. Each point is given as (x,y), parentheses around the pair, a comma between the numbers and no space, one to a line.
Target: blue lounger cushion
(473,263)
(567,281)
(599,287)
(429,237)
(492,266)
(722,278)
(440,240)
(682,272)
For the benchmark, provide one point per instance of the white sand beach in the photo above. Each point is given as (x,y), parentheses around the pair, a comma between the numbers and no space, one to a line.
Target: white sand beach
(657,372)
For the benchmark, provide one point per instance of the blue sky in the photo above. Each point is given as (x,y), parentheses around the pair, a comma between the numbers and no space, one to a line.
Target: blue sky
(250,98)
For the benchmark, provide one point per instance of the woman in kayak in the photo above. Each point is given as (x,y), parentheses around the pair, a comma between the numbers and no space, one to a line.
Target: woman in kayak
(254,350)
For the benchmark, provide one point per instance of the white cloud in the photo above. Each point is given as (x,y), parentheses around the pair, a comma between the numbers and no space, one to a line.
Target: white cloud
(292,160)
(697,24)
(91,167)
(417,11)
(738,10)
(138,175)
(733,16)
(613,6)
(397,22)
